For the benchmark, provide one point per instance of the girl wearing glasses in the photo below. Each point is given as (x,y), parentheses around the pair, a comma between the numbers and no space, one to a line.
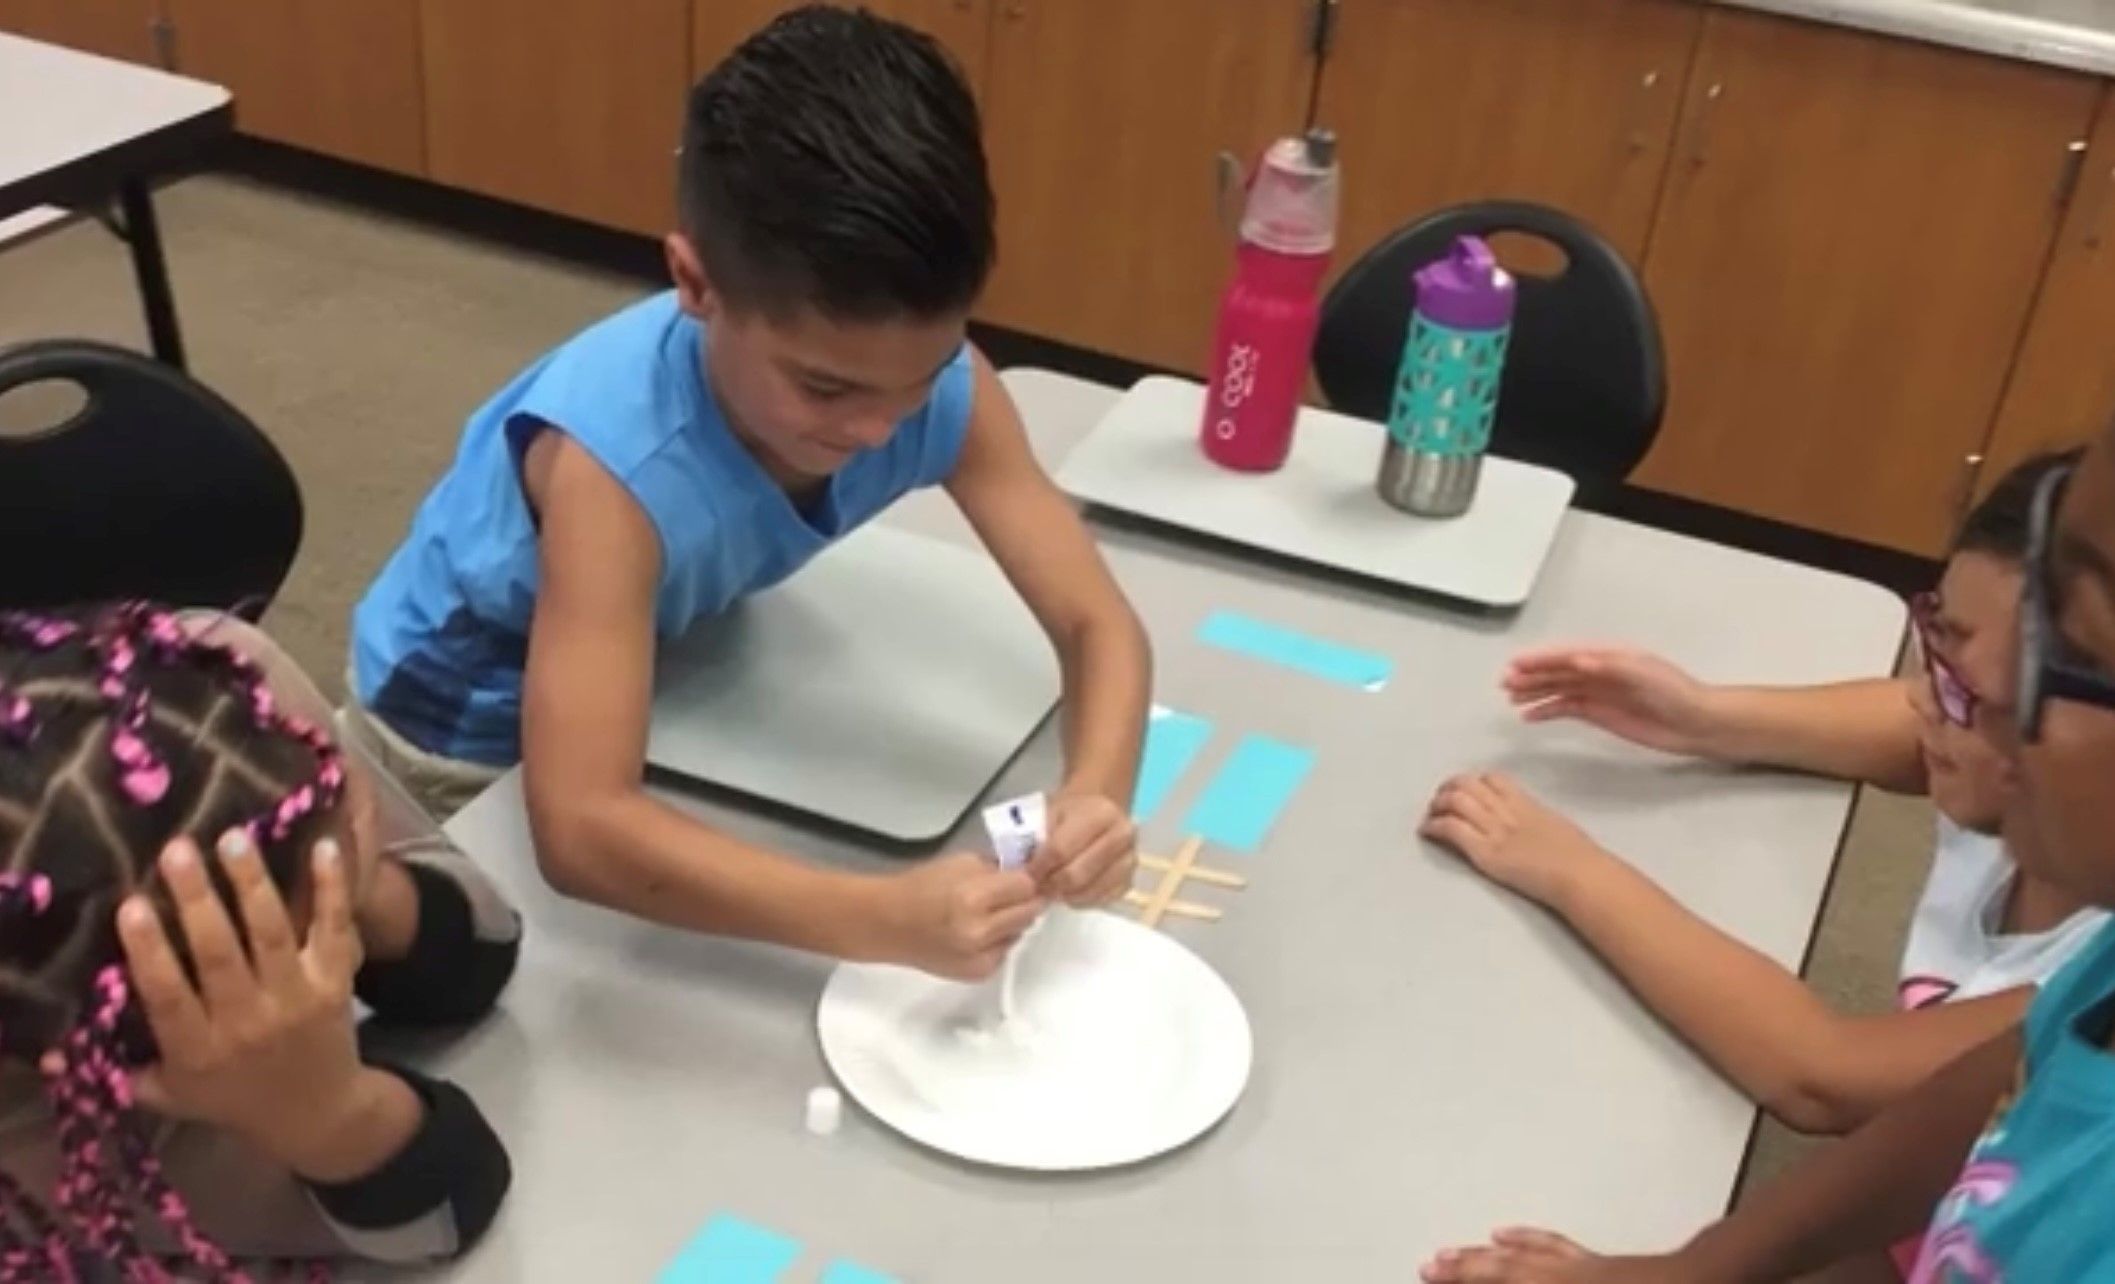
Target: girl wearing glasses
(1986,930)
(2014,1141)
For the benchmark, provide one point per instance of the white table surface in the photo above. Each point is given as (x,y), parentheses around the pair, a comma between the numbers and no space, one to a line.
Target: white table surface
(1433,1056)
(59,107)
(1322,506)
(883,687)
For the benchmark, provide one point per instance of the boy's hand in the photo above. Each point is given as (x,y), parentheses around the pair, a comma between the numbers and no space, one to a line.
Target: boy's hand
(1510,837)
(1090,854)
(1625,692)
(262,1044)
(956,915)
(1522,1256)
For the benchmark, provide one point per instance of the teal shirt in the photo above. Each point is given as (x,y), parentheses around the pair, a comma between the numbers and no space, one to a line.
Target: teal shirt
(441,639)
(2036,1202)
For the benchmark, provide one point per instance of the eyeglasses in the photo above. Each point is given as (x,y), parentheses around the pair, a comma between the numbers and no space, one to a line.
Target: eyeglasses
(2050,669)
(1957,701)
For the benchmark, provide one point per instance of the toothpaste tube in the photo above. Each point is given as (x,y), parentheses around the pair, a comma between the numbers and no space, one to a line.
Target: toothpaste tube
(1017,828)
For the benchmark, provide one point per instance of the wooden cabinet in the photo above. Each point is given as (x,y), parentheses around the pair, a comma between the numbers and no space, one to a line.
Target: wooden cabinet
(1851,237)
(571,105)
(964,26)
(331,76)
(2063,385)
(1442,101)
(1103,118)
(113,28)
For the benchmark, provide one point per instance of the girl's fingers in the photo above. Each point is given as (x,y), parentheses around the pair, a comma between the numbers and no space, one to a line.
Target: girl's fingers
(1454,832)
(333,944)
(148,1091)
(224,975)
(164,994)
(272,950)
(1554,709)
(1530,1239)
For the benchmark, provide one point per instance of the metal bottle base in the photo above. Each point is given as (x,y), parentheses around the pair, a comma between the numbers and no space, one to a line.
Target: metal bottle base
(1426,484)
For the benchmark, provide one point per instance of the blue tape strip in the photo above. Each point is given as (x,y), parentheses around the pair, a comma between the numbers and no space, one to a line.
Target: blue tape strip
(1309,655)
(1244,799)
(731,1251)
(841,1272)
(1173,741)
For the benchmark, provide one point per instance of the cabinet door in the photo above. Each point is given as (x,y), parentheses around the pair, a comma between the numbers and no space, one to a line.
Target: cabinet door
(717,26)
(113,28)
(561,104)
(2063,386)
(334,77)
(1444,101)
(1852,234)
(1103,119)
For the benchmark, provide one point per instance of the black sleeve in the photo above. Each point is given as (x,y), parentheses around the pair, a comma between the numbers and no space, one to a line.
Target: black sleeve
(452,975)
(437,1197)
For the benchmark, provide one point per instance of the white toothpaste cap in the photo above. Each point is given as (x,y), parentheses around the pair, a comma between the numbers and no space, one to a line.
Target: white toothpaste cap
(826,1110)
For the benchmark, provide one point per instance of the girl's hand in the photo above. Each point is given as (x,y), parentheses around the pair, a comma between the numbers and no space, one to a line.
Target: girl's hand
(261,1045)
(1625,692)
(1521,1256)
(1510,837)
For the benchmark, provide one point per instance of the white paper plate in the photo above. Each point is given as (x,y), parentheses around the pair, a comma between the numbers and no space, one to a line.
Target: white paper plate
(1135,1047)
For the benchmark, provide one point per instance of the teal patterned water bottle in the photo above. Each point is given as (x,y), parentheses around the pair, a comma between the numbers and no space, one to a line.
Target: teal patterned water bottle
(1446,390)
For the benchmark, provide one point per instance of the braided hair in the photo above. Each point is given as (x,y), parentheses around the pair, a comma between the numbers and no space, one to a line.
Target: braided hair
(120,732)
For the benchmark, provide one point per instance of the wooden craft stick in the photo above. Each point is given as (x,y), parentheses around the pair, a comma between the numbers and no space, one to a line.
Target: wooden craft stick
(1181,909)
(1216,877)
(1158,900)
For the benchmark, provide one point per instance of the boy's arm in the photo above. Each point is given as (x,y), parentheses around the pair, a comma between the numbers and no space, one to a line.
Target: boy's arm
(1039,541)
(601,837)
(1814,1068)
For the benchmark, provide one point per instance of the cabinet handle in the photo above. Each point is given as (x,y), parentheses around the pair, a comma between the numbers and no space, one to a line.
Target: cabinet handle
(1635,139)
(1964,499)
(1701,150)
(2067,177)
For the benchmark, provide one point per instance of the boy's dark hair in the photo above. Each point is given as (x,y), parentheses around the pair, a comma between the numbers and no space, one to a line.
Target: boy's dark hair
(1998,525)
(834,161)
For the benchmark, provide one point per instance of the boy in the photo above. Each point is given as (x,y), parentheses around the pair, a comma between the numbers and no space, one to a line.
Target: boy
(808,369)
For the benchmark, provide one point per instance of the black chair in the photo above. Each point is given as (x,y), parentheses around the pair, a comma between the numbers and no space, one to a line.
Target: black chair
(154,488)
(1585,381)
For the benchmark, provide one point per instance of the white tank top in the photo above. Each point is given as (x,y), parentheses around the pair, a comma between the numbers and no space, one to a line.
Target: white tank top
(1956,950)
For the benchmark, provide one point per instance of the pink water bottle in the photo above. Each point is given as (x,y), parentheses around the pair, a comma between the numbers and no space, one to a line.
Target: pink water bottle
(1267,319)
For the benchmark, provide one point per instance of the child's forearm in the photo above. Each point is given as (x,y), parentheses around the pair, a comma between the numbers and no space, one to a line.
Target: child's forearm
(1866,1191)
(1757,1023)
(1863,731)
(1107,669)
(639,856)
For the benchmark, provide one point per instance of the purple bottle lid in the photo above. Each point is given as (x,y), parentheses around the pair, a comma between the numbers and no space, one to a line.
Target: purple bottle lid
(1467,290)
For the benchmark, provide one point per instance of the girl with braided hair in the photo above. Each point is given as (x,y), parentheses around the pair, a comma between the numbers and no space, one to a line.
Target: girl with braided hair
(180,1083)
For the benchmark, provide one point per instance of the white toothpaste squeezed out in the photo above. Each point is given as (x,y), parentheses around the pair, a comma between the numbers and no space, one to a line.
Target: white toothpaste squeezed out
(1016,829)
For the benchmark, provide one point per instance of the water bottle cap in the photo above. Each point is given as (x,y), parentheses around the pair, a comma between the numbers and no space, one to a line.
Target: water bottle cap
(1467,290)
(1292,204)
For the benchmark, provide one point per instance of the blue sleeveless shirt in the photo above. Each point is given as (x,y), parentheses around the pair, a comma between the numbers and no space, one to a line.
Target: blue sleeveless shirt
(441,638)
